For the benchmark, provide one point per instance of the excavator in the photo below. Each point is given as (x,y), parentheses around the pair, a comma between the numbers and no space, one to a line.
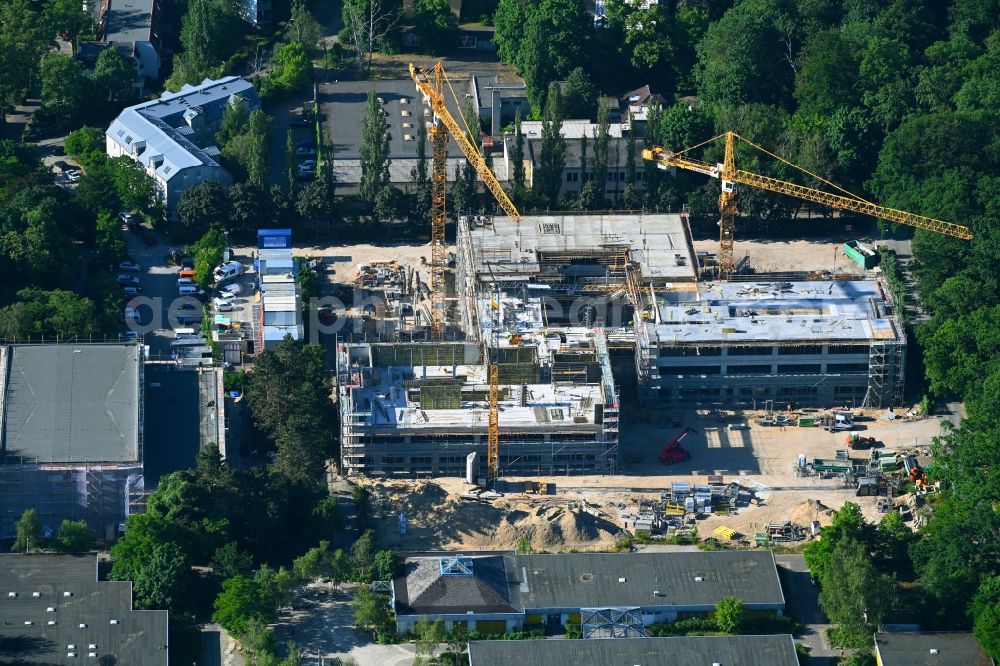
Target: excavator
(430,84)
(731,177)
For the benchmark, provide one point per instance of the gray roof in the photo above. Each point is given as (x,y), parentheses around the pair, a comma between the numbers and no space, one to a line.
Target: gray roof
(590,580)
(487,585)
(769,312)
(914,649)
(514,247)
(345,104)
(161,124)
(777,650)
(129,21)
(138,637)
(71,403)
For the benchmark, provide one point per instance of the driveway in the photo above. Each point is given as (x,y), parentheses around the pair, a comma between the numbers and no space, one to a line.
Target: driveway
(804,600)
(322,624)
(159,290)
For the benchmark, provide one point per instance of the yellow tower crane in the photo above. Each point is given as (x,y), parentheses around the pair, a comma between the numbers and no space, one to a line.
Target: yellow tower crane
(731,177)
(430,84)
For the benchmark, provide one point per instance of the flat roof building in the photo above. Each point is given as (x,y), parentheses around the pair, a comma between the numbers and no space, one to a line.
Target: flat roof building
(280,296)
(72,445)
(822,342)
(931,648)
(493,593)
(777,650)
(54,610)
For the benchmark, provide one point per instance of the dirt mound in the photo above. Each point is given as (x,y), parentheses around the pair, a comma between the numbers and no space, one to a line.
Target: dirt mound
(810,510)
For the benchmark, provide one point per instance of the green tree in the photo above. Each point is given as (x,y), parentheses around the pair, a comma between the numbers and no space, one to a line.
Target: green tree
(315,563)
(207,252)
(210,34)
(827,75)
(229,561)
(290,160)
(429,635)
(135,187)
(848,525)
(258,131)
(579,95)
(314,202)
(303,28)
(234,120)
(370,26)
(24,40)
(854,594)
(290,71)
(548,175)
(419,175)
(601,152)
(248,205)
(29,533)
(985,612)
(363,554)
(241,601)
(386,565)
(435,26)
(50,314)
(370,609)
(74,537)
(390,204)
(64,86)
(108,240)
(729,614)
(374,150)
(114,76)
(202,207)
(83,143)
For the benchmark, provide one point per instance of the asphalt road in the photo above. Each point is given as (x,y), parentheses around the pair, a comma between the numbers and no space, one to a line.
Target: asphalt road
(804,600)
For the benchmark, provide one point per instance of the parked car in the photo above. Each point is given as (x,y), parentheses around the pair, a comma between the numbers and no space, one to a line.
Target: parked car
(227,297)
(129,266)
(128,280)
(132,291)
(128,335)
(231,289)
(126,217)
(305,150)
(184,281)
(73,176)
(224,306)
(189,290)
(187,264)
(184,273)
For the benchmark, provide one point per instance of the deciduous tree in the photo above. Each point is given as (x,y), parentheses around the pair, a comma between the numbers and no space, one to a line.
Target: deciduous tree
(73,536)
(374,149)
(29,533)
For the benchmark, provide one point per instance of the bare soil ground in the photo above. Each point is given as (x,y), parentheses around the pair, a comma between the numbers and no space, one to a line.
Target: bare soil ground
(588,511)
(816,254)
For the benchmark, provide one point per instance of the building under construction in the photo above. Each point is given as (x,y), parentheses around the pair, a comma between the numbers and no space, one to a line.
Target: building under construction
(422,409)
(72,423)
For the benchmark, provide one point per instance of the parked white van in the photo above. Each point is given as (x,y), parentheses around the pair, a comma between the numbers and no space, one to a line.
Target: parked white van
(189,290)
(227,270)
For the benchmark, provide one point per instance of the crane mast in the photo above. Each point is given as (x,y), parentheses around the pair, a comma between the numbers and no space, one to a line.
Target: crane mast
(730,177)
(431,86)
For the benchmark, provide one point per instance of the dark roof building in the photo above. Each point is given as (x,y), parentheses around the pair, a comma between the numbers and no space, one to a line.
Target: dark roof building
(942,648)
(71,433)
(53,610)
(778,650)
(498,592)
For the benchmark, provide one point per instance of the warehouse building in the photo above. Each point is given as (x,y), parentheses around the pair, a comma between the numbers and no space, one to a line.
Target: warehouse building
(421,409)
(608,594)
(777,650)
(54,610)
(931,648)
(72,429)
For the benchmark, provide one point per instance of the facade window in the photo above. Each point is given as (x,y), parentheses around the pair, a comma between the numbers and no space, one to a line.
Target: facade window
(749,370)
(800,350)
(572,177)
(847,349)
(690,351)
(799,369)
(847,367)
(690,370)
(750,351)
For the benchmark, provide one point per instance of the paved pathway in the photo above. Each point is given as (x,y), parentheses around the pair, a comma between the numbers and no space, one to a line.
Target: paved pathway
(804,599)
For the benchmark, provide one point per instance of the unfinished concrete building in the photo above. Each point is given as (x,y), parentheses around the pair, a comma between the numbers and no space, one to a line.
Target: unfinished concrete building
(421,409)
(753,343)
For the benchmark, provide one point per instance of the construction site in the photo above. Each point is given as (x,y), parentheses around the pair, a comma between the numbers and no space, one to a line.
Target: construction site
(589,352)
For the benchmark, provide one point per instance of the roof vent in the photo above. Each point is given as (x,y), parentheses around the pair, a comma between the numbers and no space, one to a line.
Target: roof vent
(67,594)
(12,595)
(36,594)
(934,651)
(622,580)
(83,625)
(113,622)
(699,579)
(50,609)
(656,593)
(51,623)
(28,623)
(70,646)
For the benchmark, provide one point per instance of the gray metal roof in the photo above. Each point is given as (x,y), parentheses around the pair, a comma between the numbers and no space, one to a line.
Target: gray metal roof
(914,649)
(490,586)
(590,580)
(777,650)
(71,403)
(138,637)
(161,126)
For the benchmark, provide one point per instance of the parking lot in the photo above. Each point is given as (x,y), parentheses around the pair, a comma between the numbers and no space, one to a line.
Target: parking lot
(160,306)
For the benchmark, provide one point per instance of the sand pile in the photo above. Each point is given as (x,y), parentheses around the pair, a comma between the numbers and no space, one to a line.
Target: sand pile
(810,510)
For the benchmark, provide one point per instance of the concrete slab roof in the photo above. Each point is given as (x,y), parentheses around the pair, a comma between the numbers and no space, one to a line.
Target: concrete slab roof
(777,650)
(97,613)
(769,312)
(658,243)
(71,403)
(129,20)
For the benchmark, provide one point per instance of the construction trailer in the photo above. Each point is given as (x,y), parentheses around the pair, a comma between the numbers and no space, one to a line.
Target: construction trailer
(419,409)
